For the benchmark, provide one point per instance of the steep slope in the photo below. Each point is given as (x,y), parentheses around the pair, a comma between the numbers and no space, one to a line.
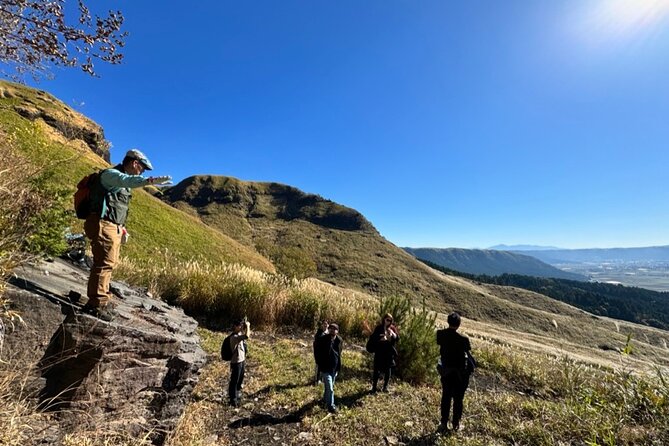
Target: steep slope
(490,262)
(66,146)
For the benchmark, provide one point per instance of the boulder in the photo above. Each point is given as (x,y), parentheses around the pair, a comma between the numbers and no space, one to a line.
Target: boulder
(132,376)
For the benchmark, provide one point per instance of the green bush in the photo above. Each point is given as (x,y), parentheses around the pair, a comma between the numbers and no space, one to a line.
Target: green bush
(417,348)
(398,306)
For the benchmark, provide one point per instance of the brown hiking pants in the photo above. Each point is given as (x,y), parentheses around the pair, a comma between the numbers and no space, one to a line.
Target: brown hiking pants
(105,238)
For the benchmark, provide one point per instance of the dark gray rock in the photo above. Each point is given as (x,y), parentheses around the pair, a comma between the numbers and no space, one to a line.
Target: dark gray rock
(133,375)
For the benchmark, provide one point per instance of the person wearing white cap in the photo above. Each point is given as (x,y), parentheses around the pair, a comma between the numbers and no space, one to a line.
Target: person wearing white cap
(105,225)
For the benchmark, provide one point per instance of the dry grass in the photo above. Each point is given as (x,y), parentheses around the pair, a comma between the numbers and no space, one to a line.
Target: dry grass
(514,398)
(226,291)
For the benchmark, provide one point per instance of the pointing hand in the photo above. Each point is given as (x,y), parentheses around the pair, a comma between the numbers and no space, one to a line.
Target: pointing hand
(163,181)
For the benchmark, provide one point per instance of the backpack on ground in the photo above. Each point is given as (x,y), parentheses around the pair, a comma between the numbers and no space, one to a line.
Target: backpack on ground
(82,196)
(226,348)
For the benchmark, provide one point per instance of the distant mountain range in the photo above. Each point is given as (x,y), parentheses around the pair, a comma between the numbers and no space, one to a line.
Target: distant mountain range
(490,262)
(599,255)
(523,248)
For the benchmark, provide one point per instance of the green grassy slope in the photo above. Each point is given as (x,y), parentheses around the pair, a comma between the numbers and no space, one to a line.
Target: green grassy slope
(156,228)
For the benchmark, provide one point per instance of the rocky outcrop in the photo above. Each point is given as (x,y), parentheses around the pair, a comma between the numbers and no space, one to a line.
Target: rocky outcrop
(132,376)
(35,104)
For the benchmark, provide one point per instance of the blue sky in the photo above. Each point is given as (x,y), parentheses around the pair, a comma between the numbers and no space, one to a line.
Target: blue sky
(446,123)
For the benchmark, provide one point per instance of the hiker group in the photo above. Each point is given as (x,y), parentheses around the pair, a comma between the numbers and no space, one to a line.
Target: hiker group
(102,200)
(455,364)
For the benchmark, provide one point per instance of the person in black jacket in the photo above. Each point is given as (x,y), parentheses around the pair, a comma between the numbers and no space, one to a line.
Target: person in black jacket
(453,349)
(384,339)
(327,351)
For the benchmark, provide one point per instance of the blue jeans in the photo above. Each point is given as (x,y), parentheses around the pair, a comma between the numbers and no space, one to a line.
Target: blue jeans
(328,384)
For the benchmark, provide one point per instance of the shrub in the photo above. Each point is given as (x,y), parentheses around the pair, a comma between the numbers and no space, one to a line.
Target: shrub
(33,218)
(398,306)
(417,347)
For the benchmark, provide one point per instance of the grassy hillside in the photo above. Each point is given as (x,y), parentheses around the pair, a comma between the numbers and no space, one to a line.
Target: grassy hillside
(261,214)
(66,153)
(490,262)
(343,246)
(550,373)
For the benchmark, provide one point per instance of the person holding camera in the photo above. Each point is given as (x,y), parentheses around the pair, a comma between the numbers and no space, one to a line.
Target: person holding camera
(383,341)
(327,351)
(241,331)
(454,350)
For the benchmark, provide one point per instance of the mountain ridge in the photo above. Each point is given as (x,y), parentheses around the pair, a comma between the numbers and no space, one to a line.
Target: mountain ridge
(490,262)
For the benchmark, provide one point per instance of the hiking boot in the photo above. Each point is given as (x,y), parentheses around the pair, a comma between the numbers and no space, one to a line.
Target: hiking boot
(105,313)
(332,409)
(374,390)
(442,428)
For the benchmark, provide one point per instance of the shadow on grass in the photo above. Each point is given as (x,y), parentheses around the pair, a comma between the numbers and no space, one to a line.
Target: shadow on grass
(277,388)
(424,440)
(266,419)
(352,400)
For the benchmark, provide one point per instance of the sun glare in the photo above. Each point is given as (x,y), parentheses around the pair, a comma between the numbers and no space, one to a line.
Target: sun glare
(611,19)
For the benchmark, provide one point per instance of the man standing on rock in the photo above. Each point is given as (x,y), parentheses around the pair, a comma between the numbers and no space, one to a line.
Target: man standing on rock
(327,349)
(105,225)
(241,331)
(453,348)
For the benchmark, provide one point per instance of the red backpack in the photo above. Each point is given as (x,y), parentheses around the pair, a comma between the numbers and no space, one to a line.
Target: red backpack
(82,197)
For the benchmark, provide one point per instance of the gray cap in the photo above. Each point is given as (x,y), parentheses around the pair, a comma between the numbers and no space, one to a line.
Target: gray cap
(139,156)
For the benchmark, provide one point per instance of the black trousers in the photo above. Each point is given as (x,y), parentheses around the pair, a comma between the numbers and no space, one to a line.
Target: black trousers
(377,374)
(236,380)
(454,384)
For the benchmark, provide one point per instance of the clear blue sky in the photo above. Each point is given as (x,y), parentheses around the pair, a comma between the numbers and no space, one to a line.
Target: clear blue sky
(446,123)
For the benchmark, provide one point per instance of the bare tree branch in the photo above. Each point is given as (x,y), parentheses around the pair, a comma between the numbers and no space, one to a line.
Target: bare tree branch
(36,36)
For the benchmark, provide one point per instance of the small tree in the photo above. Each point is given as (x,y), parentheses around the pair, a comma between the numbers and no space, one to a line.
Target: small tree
(36,34)
(417,348)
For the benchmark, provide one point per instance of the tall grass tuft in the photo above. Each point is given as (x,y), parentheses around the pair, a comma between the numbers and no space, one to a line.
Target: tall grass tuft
(228,291)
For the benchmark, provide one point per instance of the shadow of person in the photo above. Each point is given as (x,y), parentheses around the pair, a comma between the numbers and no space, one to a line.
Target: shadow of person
(351,400)
(265,419)
(424,440)
(276,388)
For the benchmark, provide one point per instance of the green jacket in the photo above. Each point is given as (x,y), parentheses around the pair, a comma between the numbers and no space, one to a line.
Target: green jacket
(110,194)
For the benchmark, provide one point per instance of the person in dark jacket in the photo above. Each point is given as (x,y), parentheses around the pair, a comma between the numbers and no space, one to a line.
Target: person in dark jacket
(105,225)
(453,349)
(241,331)
(327,350)
(384,339)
